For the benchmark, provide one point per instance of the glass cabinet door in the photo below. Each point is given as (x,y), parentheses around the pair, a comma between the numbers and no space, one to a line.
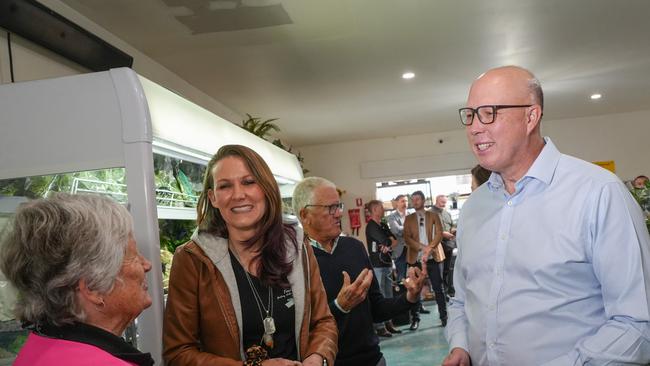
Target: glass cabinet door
(179,183)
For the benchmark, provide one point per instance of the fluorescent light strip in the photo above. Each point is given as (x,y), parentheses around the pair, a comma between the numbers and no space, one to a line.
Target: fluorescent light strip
(179,152)
(190,127)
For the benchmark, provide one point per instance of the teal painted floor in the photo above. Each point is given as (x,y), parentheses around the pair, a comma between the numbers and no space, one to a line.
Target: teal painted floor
(425,346)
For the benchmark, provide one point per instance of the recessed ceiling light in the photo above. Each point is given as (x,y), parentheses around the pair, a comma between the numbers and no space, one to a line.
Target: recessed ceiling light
(408,75)
(596,96)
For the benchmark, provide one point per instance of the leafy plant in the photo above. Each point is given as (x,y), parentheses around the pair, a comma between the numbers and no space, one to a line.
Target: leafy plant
(178,182)
(301,159)
(17,343)
(173,233)
(106,181)
(262,129)
(642,196)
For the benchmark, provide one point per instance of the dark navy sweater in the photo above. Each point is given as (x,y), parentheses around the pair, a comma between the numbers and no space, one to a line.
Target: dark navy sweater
(358,343)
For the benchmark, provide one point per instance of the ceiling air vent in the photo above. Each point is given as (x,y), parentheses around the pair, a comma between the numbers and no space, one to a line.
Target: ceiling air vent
(209,16)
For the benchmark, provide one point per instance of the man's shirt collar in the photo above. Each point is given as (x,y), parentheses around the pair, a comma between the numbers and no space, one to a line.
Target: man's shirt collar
(318,245)
(543,168)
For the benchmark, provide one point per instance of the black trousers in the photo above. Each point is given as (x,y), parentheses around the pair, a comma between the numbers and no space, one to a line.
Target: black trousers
(448,272)
(433,270)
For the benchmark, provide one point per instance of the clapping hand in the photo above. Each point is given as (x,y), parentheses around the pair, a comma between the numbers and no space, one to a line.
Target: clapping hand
(448,235)
(414,282)
(351,294)
(426,251)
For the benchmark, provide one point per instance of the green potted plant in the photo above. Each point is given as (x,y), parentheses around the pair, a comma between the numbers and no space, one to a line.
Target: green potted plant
(642,196)
(263,129)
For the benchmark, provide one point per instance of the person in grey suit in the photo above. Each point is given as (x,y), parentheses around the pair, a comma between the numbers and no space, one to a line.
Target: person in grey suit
(396,225)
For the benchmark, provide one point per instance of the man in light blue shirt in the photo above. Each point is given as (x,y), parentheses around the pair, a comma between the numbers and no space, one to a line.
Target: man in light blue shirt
(396,225)
(554,256)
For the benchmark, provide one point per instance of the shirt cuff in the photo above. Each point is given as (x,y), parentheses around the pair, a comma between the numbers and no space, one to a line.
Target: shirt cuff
(336,303)
(457,341)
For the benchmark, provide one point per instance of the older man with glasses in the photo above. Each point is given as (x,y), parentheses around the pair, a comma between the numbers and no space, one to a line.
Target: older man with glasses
(357,304)
(553,263)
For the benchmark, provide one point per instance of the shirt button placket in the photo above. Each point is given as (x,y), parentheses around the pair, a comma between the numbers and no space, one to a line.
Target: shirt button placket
(502,242)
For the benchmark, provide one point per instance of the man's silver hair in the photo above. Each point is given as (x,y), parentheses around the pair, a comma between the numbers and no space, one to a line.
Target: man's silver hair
(56,242)
(303,194)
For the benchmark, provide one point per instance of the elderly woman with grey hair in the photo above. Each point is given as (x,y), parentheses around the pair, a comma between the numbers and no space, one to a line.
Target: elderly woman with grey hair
(80,278)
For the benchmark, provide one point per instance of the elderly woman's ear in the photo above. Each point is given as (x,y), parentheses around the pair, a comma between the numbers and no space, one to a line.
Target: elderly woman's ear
(87,296)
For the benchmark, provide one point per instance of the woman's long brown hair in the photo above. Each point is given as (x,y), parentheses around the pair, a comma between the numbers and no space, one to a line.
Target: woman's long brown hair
(273,262)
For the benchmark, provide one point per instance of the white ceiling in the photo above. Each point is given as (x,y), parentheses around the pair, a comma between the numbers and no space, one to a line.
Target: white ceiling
(334,72)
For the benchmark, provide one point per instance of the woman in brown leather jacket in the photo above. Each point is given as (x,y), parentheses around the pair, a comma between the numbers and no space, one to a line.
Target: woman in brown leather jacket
(244,290)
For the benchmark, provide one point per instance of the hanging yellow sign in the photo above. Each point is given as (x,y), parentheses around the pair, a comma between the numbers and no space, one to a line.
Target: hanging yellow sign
(609,165)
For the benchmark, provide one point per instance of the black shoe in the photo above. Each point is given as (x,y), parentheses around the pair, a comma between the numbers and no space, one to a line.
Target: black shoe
(383,333)
(424,311)
(451,292)
(415,324)
(392,329)
(444,322)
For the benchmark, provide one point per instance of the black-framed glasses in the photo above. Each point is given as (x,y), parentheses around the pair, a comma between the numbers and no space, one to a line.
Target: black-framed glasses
(332,209)
(486,113)
(421,221)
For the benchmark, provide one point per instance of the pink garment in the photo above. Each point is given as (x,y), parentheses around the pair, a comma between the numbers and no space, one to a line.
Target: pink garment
(43,351)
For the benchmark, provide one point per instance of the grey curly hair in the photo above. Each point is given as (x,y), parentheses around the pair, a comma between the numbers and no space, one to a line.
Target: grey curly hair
(57,241)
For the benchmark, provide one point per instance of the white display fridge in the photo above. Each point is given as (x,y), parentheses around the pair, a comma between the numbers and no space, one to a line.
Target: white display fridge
(118,134)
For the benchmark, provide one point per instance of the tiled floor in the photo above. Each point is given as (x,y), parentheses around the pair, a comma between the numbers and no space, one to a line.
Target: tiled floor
(425,346)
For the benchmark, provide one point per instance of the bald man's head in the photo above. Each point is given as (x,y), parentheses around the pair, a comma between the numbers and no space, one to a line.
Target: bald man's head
(502,119)
(527,79)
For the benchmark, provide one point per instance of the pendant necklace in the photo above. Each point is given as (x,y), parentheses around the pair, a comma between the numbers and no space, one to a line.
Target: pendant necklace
(267,322)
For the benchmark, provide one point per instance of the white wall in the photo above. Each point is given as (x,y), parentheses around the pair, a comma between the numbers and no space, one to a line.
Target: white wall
(357,165)
(33,62)
(623,137)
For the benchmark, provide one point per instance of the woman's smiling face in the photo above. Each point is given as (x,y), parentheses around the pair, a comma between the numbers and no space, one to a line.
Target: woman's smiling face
(238,197)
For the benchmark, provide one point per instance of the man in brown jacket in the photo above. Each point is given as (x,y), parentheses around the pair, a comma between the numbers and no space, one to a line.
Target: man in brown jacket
(422,235)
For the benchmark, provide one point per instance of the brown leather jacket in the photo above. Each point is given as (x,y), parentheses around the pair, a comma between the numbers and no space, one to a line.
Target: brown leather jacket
(412,236)
(202,321)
